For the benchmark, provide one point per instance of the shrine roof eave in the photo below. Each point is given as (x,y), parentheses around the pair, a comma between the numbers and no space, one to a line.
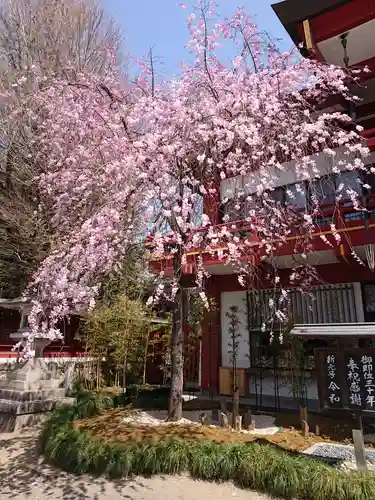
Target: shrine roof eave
(293,12)
(329,330)
(24,304)
(15,304)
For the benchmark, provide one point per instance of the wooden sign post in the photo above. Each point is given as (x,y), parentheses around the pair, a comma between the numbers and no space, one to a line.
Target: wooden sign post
(346,379)
(346,382)
(359,445)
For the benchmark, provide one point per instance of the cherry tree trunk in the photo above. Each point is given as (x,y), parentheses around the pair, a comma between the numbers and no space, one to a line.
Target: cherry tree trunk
(177,360)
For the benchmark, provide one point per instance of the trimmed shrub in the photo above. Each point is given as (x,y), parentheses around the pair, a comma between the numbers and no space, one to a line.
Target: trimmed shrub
(258,466)
(148,396)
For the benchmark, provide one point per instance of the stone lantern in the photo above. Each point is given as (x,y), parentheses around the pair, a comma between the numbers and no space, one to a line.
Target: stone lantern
(24,307)
(30,389)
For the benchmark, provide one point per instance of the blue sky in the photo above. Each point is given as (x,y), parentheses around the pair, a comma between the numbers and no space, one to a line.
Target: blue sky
(161,24)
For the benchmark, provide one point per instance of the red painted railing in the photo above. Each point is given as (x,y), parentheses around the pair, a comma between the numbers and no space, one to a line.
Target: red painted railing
(341,214)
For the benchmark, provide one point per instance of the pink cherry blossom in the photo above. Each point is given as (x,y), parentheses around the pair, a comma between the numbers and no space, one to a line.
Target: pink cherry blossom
(113,152)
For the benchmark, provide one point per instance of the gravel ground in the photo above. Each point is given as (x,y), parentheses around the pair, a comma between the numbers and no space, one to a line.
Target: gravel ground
(338,451)
(23,476)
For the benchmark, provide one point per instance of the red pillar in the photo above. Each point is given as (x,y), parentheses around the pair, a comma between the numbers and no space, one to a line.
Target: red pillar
(211,340)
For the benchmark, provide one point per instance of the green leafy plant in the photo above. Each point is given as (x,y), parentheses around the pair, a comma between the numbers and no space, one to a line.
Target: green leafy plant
(296,364)
(117,335)
(257,466)
(233,343)
(148,396)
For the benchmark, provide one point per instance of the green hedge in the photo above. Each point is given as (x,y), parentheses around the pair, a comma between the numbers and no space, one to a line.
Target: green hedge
(148,396)
(256,466)
(142,396)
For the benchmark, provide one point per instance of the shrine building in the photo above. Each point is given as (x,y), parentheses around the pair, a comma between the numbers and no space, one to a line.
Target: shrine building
(339,32)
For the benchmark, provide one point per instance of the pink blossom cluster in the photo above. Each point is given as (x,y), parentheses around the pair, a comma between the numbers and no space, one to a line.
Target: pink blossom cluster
(112,150)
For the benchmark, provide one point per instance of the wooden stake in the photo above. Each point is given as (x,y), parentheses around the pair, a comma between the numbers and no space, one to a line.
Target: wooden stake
(239,423)
(224,421)
(202,418)
(236,406)
(303,414)
(305,428)
(246,419)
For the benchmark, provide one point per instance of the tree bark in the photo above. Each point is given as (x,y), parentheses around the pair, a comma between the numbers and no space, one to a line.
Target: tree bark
(177,360)
(145,356)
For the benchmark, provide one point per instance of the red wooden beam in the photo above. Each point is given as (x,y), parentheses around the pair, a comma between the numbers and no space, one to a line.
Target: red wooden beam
(342,19)
(355,232)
